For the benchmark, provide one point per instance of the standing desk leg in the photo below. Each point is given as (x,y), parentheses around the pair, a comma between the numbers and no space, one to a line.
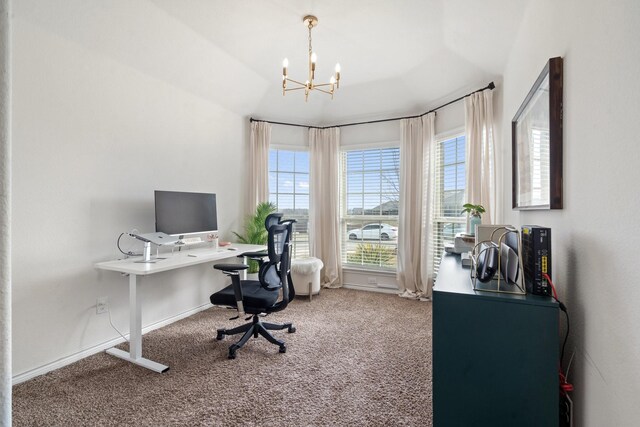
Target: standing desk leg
(245,260)
(135,333)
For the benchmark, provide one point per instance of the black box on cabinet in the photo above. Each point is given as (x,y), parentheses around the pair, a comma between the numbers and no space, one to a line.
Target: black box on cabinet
(536,259)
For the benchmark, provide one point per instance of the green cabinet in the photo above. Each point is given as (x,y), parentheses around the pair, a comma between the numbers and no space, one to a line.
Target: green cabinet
(495,355)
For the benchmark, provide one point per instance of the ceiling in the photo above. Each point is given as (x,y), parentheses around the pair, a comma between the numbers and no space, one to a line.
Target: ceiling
(397,58)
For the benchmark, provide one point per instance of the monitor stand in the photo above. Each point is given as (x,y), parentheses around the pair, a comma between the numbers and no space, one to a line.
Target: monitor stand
(146,255)
(148,239)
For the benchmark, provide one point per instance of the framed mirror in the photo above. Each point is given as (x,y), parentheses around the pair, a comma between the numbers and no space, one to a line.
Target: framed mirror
(536,138)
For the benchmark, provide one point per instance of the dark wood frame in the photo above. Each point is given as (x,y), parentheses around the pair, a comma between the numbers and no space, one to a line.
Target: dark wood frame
(555,72)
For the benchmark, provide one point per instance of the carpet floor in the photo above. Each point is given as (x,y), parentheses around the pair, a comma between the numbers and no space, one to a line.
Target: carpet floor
(357,359)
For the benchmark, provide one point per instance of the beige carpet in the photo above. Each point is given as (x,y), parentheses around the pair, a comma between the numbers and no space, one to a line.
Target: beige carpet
(357,359)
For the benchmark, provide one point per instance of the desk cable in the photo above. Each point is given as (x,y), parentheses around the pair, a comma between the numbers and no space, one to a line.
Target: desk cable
(128,253)
(113,326)
(564,384)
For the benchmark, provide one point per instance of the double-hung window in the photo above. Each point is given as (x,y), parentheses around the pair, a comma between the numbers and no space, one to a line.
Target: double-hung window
(370,191)
(449,191)
(289,191)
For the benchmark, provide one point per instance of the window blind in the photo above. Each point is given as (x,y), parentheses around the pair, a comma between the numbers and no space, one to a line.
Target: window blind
(370,191)
(449,190)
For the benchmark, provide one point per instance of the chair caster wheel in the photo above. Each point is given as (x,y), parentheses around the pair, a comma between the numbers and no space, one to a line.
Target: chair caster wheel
(220,337)
(291,329)
(232,351)
(283,349)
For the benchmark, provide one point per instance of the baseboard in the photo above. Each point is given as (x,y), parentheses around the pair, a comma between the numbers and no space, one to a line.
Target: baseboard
(25,376)
(371,289)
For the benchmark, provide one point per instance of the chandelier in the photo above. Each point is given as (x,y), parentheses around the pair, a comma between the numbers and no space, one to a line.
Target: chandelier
(334,83)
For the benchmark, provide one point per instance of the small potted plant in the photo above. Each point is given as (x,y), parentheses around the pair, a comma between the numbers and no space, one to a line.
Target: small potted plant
(475,216)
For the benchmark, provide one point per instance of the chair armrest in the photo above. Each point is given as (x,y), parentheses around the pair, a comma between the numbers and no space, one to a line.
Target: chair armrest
(231,267)
(258,254)
(232,270)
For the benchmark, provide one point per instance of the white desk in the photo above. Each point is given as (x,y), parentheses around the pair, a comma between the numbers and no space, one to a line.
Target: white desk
(184,258)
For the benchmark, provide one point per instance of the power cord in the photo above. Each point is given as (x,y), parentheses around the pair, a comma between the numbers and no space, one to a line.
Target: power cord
(563,308)
(128,253)
(570,361)
(113,326)
(564,384)
(566,404)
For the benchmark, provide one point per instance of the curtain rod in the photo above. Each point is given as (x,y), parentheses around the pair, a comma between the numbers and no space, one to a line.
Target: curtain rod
(433,110)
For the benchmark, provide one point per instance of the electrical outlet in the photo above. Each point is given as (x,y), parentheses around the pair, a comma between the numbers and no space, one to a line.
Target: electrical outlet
(372,280)
(102,305)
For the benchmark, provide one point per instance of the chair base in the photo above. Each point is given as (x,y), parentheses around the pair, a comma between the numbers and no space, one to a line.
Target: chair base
(255,328)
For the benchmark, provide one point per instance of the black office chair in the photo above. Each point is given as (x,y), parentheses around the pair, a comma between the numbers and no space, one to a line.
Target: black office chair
(271,293)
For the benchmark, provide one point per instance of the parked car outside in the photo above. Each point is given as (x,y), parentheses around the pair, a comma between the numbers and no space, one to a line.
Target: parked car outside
(374,232)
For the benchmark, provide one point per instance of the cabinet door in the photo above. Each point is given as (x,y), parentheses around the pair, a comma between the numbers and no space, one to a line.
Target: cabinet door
(495,362)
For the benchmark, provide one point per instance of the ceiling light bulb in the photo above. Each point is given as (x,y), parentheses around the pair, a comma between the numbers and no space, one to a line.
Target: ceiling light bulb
(314,57)
(285,63)
(333,80)
(337,68)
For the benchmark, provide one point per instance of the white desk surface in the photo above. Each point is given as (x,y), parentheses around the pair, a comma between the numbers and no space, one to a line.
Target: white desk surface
(183,258)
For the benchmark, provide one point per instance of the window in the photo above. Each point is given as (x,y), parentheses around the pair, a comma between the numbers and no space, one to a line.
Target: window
(370,191)
(449,182)
(289,191)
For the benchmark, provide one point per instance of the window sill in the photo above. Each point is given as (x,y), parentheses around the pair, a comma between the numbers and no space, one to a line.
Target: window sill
(380,271)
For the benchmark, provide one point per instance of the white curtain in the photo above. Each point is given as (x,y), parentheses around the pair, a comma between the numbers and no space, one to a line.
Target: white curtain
(481,163)
(415,264)
(259,164)
(324,197)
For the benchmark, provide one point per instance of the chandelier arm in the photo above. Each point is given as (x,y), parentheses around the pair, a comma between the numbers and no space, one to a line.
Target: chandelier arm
(323,84)
(322,90)
(296,82)
(295,88)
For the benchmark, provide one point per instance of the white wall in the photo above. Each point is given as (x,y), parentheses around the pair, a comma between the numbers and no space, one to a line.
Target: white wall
(93,137)
(448,118)
(594,236)
(5,213)
(290,136)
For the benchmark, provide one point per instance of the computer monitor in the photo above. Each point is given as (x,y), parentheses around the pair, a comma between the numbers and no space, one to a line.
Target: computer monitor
(181,213)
